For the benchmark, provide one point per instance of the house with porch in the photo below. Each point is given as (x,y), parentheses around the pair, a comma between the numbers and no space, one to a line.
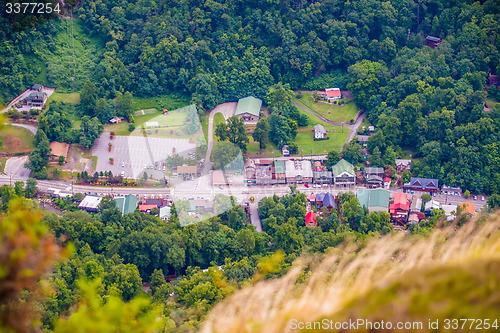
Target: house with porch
(374,176)
(343,174)
(422,184)
(399,207)
(36,99)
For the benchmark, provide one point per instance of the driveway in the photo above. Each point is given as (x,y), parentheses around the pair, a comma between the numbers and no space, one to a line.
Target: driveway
(30,128)
(227,110)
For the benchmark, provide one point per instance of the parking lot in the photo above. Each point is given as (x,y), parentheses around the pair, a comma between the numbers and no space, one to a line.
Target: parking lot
(135,154)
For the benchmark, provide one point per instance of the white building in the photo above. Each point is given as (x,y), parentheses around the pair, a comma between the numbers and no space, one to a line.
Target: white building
(319,132)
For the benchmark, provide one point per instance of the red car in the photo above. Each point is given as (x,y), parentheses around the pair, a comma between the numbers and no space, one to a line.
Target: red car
(306,185)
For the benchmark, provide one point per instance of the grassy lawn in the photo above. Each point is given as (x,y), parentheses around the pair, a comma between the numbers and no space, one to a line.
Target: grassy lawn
(331,112)
(218,119)
(204,125)
(253,149)
(490,102)
(16,140)
(306,142)
(3,160)
(66,97)
(169,102)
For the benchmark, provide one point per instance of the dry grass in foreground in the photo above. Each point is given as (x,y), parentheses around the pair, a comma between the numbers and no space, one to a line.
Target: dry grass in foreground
(454,273)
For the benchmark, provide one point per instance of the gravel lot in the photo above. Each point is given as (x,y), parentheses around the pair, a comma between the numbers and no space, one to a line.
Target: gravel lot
(133,153)
(15,166)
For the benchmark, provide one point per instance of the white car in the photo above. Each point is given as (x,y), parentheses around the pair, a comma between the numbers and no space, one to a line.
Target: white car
(475,197)
(123,164)
(482,198)
(122,174)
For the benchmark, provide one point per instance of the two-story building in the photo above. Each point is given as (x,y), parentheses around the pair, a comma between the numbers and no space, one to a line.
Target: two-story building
(343,174)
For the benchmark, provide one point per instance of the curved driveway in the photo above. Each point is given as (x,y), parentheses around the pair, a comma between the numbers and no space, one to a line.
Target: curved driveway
(30,128)
(227,110)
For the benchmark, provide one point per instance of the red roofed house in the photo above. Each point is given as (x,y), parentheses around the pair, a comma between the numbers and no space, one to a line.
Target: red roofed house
(146,208)
(331,94)
(468,208)
(399,207)
(387,182)
(311,219)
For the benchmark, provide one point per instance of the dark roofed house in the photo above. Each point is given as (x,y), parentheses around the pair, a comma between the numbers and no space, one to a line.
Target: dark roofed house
(374,176)
(422,184)
(432,41)
(158,202)
(36,99)
(329,201)
(37,87)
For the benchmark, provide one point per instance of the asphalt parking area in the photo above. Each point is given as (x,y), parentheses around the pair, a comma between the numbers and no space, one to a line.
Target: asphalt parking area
(135,154)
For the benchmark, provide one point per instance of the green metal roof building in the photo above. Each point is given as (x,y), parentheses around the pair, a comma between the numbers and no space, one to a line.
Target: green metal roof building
(249,109)
(374,200)
(126,204)
(343,174)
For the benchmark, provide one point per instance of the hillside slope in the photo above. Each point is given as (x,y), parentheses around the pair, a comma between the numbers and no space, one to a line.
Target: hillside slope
(452,274)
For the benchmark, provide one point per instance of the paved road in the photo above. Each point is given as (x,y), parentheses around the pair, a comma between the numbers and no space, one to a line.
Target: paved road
(254,216)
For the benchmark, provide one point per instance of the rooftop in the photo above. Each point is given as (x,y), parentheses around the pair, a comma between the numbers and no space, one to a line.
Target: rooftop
(298,168)
(342,166)
(249,105)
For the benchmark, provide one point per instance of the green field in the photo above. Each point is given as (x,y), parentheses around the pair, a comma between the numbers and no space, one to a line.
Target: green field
(16,140)
(329,111)
(66,97)
(306,142)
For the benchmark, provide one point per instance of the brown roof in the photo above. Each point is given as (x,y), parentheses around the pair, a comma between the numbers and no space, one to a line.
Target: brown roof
(59,149)
(187,169)
(468,208)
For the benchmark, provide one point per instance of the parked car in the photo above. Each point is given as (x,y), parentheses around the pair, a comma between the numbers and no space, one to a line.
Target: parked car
(482,198)
(122,174)
(123,164)
(306,185)
(475,197)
